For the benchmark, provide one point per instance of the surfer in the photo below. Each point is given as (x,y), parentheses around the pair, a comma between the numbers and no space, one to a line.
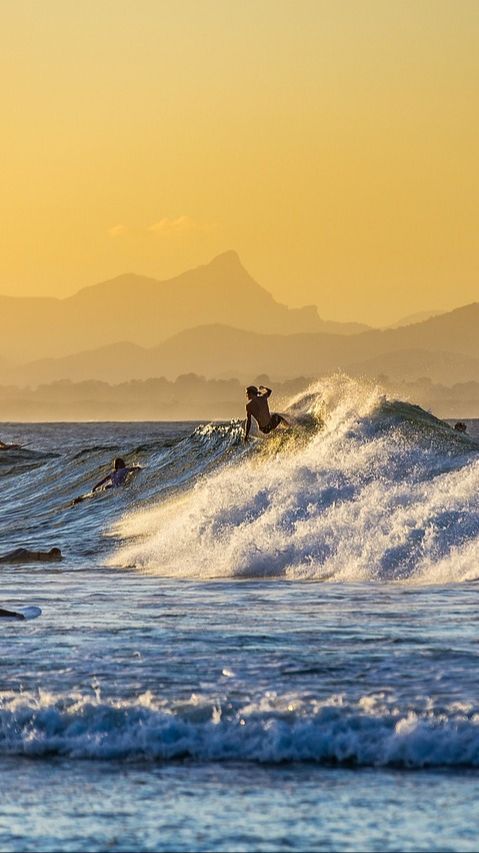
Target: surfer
(118,476)
(258,408)
(4,446)
(460,426)
(113,479)
(24,555)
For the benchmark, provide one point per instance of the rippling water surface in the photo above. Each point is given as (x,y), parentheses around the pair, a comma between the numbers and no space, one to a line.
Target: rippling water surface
(246,648)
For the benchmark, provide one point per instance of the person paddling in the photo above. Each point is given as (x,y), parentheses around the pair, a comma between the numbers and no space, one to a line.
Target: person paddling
(26,555)
(118,476)
(115,478)
(258,408)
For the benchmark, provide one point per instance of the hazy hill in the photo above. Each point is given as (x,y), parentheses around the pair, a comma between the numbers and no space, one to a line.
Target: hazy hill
(417,317)
(444,347)
(112,363)
(208,350)
(408,365)
(215,349)
(145,312)
(456,331)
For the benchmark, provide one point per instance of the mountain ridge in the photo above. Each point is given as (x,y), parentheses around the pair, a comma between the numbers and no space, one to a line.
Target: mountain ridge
(214,348)
(147,311)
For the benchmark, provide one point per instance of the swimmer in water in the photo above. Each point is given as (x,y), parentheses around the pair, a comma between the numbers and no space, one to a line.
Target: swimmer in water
(115,478)
(258,408)
(24,555)
(118,476)
(4,446)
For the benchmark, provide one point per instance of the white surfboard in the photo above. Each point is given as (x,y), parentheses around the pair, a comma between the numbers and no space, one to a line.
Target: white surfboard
(31,612)
(23,613)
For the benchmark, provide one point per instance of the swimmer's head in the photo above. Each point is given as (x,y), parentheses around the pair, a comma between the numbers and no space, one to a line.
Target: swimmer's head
(55,554)
(251,392)
(119,463)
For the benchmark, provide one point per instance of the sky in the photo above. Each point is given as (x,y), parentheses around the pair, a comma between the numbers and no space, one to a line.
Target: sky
(333,145)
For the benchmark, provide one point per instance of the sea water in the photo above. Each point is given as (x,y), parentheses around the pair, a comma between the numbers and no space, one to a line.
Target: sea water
(269,646)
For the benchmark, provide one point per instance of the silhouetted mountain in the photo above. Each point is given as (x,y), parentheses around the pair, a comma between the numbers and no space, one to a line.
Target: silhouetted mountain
(455,331)
(417,317)
(444,346)
(112,363)
(210,349)
(145,312)
(408,365)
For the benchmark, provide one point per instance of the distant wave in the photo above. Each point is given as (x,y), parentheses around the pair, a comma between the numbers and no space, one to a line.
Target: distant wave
(362,489)
(274,730)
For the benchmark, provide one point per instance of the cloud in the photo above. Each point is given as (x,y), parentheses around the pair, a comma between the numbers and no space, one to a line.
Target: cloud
(117,230)
(180,225)
(165,227)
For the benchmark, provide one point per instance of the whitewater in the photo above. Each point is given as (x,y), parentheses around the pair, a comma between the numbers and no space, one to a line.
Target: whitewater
(262,646)
(364,489)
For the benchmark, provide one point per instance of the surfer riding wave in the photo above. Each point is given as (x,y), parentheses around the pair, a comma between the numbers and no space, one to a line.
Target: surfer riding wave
(257,407)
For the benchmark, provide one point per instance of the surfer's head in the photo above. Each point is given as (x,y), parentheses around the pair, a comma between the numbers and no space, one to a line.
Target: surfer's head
(55,554)
(251,392)
(119,463)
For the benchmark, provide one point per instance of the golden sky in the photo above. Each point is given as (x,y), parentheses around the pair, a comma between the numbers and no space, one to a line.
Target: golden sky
(332,143)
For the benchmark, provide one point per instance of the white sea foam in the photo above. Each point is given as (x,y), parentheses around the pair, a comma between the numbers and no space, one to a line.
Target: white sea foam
(377,490)
(274,729)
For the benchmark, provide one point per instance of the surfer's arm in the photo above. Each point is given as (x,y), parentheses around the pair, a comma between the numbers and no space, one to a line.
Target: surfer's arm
(247,425)
(101,483)
(266,391)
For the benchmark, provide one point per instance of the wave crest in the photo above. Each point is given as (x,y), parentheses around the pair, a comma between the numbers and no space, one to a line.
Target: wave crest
(274,730)
(363,488)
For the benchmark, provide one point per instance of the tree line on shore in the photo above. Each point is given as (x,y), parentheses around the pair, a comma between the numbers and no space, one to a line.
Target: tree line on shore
(193,397)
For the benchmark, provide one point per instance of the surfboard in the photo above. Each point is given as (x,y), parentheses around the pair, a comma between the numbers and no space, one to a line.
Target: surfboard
(22,613)
(31,612)
(255,431)
(295,422)
(81,498)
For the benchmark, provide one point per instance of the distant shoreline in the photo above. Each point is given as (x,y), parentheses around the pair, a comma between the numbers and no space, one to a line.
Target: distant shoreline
(194,398)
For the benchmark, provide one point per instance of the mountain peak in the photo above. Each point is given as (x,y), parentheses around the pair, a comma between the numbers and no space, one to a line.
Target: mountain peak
(226,260)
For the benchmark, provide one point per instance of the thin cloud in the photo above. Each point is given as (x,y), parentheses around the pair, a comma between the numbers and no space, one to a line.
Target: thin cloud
(165,227)
(117,230)
(180,225)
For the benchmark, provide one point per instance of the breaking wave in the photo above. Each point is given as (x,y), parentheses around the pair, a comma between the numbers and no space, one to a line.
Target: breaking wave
(371,732)
(361,489)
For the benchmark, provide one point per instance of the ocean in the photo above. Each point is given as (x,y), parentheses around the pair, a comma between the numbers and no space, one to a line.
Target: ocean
(260,647)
